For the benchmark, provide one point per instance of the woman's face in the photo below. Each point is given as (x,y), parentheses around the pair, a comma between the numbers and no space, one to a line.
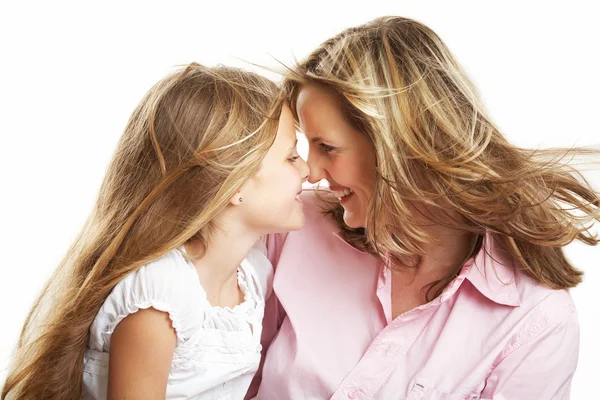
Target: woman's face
(337,151)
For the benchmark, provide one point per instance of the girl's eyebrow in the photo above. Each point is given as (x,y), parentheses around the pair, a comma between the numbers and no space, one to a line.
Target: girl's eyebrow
(294,145)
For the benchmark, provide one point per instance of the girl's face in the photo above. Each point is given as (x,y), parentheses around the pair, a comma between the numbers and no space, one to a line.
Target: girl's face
(270,200)
(338,152)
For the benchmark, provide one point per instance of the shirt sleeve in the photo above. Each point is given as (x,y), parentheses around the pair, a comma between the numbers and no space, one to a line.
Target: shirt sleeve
(274,312)
(539,365)
(164,285)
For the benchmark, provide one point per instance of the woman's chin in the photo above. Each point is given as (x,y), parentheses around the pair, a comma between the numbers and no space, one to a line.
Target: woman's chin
(352,220)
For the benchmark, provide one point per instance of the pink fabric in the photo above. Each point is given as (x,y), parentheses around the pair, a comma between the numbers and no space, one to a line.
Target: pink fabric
(494,333)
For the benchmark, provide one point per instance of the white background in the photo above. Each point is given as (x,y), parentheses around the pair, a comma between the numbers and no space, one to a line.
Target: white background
(71,73)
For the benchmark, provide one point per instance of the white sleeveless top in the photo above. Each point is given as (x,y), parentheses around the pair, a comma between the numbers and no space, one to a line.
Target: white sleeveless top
(217,350)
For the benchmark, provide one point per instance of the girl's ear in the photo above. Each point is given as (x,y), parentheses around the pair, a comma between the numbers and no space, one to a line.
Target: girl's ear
(236,199)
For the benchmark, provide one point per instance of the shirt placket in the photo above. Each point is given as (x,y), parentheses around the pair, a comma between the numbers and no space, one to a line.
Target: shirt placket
(382,356)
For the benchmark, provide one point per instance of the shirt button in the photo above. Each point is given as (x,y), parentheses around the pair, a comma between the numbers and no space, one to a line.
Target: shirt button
(353,394)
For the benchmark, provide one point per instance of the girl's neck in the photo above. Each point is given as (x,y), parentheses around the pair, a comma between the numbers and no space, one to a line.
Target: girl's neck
(219,262)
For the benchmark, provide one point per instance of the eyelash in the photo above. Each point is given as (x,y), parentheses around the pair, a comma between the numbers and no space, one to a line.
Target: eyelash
(293,159)
(326,149)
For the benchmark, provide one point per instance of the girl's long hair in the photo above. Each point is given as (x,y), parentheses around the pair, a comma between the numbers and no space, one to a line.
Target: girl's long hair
(193,140)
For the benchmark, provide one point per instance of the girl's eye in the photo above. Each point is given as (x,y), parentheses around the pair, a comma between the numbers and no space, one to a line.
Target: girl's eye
(326,148)
(293,159)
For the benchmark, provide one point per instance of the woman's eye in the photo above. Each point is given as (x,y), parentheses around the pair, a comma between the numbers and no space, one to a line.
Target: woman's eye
(326,148)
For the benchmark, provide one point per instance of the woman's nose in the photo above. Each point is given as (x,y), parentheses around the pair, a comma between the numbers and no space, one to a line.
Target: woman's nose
(316,172)
(304,170)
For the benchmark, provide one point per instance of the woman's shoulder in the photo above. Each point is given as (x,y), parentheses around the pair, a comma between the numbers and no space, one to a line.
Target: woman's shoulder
(553,305)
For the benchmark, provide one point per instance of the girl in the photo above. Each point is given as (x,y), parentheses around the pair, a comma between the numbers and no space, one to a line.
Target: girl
(162,293)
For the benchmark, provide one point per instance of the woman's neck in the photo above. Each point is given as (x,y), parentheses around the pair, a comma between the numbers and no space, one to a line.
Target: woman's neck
(440,258)
(411,286)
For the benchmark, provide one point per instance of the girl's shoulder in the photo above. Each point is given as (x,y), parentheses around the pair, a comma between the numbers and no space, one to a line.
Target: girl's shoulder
(170,279)
(169,284)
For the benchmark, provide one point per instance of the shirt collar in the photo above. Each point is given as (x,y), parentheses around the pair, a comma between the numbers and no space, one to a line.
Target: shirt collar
(491,271)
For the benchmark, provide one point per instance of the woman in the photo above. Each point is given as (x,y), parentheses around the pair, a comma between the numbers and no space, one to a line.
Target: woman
(438,273)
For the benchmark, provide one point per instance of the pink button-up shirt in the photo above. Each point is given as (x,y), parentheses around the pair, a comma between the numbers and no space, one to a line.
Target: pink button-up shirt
(494,332)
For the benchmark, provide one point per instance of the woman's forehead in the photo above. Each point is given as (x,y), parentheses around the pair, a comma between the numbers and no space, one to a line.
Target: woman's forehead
(318,105)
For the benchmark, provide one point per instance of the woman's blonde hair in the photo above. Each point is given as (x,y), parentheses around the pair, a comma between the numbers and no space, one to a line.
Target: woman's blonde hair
(435,146)
(190,144)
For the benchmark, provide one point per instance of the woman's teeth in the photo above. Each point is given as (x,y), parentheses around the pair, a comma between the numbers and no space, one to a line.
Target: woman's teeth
(342,193)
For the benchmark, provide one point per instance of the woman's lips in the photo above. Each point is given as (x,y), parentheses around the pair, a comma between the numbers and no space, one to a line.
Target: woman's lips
(341,192)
